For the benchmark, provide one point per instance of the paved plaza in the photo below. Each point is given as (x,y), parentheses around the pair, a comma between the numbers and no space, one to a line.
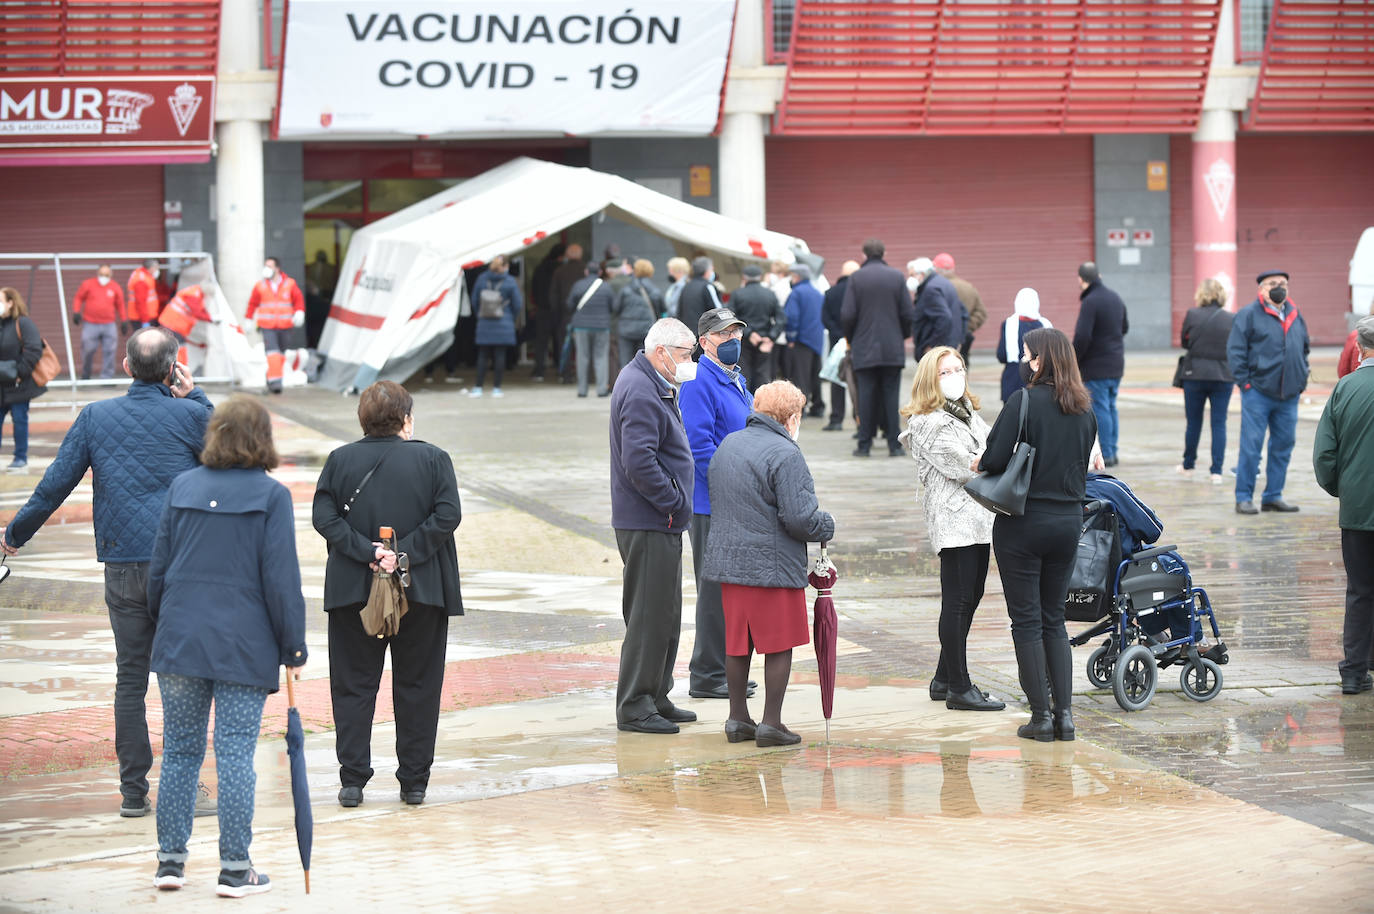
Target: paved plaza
(1259,800)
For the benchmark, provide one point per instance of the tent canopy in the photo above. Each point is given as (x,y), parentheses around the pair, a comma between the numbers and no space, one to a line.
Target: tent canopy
(400,287)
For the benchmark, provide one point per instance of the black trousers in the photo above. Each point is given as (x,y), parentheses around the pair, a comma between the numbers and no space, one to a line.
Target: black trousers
(417,679)
(756,366)
(963,575)
(1035,554)
(708,653)
(651,601)
(878,392)
(836,403)
(1356,548)
(496,357)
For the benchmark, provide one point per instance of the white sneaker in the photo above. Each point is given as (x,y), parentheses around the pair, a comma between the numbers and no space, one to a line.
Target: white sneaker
(1184,472)
(496,392)
(475,392)
(1218,479)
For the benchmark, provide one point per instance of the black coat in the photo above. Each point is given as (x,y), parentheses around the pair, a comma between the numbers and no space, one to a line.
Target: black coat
(1205,332)
(877,315)
(698,297)
(940,316)
(415,492)
(756,305)
(25,354)
(1097,337)
(831,308)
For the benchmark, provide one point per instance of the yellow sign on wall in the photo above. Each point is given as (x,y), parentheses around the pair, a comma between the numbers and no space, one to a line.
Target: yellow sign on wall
(1157,176)
(699,181)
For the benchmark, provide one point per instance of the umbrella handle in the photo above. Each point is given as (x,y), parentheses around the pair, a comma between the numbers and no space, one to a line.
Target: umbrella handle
(290,690)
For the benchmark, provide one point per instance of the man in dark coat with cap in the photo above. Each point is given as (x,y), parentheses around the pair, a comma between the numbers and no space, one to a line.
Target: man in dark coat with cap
(756,305)
(1267,353)
(876,316)
(1098,341)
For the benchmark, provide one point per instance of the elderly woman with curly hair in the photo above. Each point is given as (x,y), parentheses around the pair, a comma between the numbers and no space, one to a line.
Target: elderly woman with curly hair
(764,512)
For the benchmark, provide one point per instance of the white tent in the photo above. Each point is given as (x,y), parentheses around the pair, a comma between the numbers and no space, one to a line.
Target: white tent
(399,291)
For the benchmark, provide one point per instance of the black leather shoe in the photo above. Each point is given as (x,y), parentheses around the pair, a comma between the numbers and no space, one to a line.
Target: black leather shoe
(765,735)
(833,427)
(1109,461)
(972,700)
(722,691)
(1063,725)
(654,723)
(678,715)
(1246,507)
(1040,728)
(1278,504)
(861,452)
(1354,685)
(737,731)
(938,690)
(412,797)
(350,797)
(896,452)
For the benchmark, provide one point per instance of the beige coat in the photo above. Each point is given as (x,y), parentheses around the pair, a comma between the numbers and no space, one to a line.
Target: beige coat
(944,448)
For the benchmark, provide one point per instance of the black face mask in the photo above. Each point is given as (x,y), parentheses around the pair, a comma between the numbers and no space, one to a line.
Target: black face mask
(1026,373)
(1278,294)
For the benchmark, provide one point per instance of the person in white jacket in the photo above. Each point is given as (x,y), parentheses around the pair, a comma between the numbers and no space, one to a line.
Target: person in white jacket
(944,434)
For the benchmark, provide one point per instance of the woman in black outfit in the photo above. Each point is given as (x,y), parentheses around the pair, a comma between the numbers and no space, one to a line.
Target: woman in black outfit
(1205,375)
(414,491)
(21,346)
(1035,551)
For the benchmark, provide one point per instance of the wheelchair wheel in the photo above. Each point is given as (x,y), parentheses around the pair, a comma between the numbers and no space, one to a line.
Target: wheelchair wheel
(1134,678)
(1100,668)
(1201,684)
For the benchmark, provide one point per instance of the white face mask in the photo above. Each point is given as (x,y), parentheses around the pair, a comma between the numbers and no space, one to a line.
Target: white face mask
(156,274)
(684,372)
(103,280)
(912,283)
(5,308)
(795,432)
(953,386)
(268,272)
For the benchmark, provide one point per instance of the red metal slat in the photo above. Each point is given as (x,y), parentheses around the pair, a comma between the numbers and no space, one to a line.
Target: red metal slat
(1317,68)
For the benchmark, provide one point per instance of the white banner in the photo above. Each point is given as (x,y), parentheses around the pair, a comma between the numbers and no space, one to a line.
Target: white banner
(442,67)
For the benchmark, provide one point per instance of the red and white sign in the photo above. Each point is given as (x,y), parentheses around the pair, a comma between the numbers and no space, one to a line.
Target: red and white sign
(1116,238)
(117,118)
(1143,238)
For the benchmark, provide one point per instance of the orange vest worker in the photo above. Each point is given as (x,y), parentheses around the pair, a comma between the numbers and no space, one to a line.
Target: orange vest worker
(181,314)
(274,302)
(144,304)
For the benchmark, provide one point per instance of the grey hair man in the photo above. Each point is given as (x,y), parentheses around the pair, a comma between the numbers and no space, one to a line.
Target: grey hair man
(652,476)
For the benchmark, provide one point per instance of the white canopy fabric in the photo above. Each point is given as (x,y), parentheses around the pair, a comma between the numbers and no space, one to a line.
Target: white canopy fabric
(400,287)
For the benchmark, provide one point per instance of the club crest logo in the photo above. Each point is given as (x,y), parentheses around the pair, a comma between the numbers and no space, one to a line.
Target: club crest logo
(125,110)
(1220,181)
(185,102)
(326,118)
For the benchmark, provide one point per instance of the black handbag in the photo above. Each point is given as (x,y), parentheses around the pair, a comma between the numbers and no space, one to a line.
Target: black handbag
(1094,566)
(1005,492)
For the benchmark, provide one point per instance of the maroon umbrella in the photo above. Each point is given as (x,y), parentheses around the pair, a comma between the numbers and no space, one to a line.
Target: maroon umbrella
(823,632)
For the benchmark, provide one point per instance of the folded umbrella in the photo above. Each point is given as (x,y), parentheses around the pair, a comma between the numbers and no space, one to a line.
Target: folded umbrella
(824,631)
(300,786)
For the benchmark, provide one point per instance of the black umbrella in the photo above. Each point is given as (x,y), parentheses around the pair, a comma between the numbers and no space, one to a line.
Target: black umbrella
(300,787)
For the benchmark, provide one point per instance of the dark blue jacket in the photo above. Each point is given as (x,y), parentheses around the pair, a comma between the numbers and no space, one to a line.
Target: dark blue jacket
(497,331)
(596,313)
(833,302)
(1098,336)
(939,316)
(803,310)
(224,584)
(713,406)
(136,444)
(1267,352)
(652,471)
(1011,374)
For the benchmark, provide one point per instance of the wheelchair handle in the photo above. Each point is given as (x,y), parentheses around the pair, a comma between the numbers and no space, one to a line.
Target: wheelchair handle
(1150,553)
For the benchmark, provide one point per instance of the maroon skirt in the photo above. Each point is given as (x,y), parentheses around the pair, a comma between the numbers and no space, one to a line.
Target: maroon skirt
(763,619)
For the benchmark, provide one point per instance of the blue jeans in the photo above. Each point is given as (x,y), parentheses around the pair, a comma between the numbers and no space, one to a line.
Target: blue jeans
(1196,395)
(1258,413)
(126,598)
(19,414)
(185,716)
(1103,392)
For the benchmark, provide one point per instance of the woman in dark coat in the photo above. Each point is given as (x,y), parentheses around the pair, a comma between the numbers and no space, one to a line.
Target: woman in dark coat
(637,307)
(764,512)
(21,346)
(413,490)
(224,587)
(1205,375)
(1035,551)
(496,333)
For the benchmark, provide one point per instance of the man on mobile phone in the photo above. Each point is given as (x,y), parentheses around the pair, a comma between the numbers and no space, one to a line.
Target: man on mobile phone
(136,444)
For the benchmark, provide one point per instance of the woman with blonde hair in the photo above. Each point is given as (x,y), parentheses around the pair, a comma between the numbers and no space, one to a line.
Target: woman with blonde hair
(1204,374)
(946,435)
(763,513)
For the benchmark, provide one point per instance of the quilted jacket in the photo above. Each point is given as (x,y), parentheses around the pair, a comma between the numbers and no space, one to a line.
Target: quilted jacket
(136,445)
(944,448)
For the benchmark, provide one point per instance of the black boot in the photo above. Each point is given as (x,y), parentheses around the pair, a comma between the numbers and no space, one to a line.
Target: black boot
(1030,664)
(1059,661)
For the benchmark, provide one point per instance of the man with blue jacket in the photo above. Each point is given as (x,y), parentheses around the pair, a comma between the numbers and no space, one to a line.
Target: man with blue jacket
(136,444)
(651,505)
(805,335)
(714,404)
(1267,353)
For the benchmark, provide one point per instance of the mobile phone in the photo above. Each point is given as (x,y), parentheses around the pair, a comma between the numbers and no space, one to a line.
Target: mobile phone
(172,379)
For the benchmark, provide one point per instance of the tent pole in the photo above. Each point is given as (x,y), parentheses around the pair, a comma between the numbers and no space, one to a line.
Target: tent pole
(66,327)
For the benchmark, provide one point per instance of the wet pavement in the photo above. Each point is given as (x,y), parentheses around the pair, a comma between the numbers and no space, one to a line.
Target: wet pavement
(1264,795)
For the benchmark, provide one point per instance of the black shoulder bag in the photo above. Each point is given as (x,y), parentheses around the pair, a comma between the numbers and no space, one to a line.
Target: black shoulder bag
(1005,492)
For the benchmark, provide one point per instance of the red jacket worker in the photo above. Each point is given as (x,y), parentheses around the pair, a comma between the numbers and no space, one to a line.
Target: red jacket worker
(99,305)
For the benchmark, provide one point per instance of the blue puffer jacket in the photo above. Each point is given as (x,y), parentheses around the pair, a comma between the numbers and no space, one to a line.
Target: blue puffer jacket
(1268,353)
(497,331)
(224,584)
(136,444)
(713,406)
